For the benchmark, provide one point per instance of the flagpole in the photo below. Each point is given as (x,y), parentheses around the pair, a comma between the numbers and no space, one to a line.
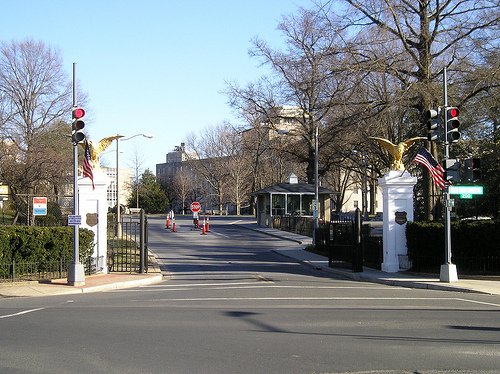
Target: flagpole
(76,273)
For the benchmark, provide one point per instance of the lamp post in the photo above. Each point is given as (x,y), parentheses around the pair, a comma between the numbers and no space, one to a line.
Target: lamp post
(365,187)
(118,213)
(316,178)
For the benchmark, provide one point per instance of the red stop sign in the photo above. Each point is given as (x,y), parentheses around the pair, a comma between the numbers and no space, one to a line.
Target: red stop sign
(195,207)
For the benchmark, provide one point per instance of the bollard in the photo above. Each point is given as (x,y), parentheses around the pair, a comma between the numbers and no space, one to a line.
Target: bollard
(208,223)
(203,232)
(173,224)
(197,223)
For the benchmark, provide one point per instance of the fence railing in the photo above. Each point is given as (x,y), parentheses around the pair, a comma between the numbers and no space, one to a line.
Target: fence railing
(44,270)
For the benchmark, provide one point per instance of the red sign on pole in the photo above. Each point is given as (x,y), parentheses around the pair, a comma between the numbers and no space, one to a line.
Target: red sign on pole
(195,207)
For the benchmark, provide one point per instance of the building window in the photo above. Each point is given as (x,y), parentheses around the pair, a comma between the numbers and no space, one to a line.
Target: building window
(356,204)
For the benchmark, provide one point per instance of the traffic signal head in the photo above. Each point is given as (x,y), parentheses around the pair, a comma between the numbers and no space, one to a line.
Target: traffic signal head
(472,169)
(452,124)
(452,170)
(434,124)
(77,125)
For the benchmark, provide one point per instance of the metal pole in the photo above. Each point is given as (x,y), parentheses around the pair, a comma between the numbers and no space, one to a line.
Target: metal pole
(118,213)
(447,216)
(316,181)
(448,271)
(76,274)
(365,215)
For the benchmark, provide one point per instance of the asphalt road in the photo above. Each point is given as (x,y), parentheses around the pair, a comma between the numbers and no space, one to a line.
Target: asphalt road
(230,305)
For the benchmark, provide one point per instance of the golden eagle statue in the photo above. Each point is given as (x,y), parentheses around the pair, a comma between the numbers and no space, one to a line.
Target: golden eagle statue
(96,150)
(397,151)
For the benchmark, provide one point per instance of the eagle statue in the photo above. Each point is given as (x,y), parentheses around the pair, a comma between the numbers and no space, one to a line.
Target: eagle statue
(96,150)
(397,151)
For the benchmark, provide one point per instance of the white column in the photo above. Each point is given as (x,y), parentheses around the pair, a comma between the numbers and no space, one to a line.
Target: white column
(397,190)
(94,213)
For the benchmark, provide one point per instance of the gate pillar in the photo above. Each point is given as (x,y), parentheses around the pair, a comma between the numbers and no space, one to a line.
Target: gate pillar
(397,190)
(93,210)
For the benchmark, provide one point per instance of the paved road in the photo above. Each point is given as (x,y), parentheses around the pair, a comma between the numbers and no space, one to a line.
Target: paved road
(230,305)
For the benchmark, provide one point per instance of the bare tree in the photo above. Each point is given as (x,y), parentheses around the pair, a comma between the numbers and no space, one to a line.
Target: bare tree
(182,185)
(412,42)
(35,94)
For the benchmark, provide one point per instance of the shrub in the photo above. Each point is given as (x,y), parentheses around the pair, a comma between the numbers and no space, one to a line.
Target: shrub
(38,244)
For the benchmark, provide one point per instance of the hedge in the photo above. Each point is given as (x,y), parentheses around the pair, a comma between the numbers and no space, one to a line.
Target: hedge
(39,244)
(469,239)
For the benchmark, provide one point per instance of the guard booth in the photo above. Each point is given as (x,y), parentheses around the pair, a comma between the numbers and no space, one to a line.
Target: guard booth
(291,199)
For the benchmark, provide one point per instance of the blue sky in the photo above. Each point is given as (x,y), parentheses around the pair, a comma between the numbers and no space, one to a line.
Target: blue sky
(151,66)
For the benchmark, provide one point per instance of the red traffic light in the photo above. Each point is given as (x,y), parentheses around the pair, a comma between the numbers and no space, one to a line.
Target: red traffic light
(78,113)
(453,112)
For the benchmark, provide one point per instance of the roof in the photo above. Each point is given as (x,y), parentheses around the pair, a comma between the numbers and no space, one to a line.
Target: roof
(294,188)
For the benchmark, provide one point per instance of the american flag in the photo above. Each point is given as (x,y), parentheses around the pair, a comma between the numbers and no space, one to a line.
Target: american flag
(87,166)
(425,158)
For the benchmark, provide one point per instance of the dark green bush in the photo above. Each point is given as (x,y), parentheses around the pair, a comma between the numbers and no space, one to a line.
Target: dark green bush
(469,239)
(38,244)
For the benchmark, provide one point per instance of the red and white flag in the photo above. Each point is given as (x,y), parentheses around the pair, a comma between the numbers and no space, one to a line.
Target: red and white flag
(87,166)
(425,158)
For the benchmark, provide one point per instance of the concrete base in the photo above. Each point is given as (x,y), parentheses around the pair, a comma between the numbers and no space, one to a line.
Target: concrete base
(448,273)
(390,267)
(76,274)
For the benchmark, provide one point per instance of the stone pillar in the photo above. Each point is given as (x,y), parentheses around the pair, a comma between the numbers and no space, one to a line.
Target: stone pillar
(93,210)
(397,189)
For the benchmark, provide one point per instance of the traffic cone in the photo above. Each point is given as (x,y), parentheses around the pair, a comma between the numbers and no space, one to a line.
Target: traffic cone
(203,232)
(168,222)
(173,224)
(208,223)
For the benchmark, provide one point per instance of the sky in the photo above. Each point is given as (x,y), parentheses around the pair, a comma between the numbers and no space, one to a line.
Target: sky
(151,66)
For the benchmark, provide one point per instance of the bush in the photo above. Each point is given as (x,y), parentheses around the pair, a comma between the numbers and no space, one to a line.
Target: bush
(38,244)
(469,239)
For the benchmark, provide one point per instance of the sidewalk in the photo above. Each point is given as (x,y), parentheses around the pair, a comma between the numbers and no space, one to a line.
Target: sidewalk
(296,253)
(93,283)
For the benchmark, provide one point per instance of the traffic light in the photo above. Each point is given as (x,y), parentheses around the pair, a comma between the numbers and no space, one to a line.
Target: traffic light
(434,124)
(452,124)
(472,169)
(77,126)
(452,170)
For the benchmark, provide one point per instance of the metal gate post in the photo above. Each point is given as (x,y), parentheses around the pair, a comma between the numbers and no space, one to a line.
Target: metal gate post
(141,242)
(357,261)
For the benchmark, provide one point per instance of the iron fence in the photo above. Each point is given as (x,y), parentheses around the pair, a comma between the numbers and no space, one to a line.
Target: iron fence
(43,270)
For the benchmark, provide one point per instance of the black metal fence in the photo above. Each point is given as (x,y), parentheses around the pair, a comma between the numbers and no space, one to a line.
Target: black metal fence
(344,240)
(44,270)
(128,244)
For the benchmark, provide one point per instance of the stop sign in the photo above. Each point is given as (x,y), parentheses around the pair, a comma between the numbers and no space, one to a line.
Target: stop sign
(195,207)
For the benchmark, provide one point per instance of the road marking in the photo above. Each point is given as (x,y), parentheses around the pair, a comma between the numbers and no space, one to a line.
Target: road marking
(479,302)
(218,233)
(21,313)
(262,279)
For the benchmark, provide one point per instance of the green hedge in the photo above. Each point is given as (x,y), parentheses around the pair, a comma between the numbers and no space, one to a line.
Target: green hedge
(38,244)
(469,239)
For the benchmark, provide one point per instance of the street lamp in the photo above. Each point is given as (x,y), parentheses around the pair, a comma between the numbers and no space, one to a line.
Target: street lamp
(316,178)
(118,213)
(365,187)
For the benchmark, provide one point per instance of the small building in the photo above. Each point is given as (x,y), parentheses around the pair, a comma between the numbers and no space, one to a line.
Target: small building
(291,199)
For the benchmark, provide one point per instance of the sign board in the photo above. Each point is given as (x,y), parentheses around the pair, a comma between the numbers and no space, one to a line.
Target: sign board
(74,220)
(4,190)
(195,207)
(39,206)
(473,190)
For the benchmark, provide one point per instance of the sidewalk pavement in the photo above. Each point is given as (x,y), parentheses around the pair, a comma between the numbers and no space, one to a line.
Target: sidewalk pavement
(93,283)
(296,253)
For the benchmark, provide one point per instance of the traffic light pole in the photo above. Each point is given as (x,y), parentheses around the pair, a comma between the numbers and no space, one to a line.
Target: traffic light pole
(448,271)
(76,273)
